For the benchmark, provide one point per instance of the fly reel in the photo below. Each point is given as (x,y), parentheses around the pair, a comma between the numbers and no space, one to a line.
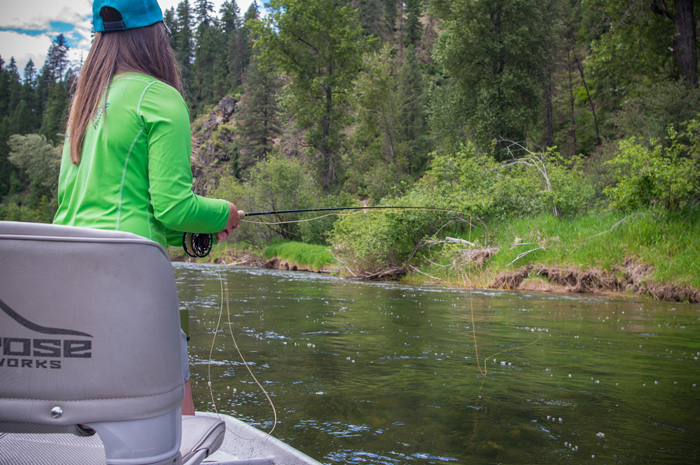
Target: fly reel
(197,245)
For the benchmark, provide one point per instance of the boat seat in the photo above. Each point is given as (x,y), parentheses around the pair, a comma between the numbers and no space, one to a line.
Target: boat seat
(90,343)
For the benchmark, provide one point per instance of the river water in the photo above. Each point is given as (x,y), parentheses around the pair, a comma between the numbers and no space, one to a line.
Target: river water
(386,373)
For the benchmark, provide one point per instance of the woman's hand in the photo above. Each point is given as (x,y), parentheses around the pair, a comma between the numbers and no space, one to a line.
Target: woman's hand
(232,224)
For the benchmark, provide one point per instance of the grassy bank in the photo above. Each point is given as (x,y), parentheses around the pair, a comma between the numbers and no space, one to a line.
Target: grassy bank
(643,253)
(308,255)
(644,247)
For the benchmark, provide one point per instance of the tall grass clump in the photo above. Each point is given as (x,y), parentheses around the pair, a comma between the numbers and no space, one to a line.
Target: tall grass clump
(316,256)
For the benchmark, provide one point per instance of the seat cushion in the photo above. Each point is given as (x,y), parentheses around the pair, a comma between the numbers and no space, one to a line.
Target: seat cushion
(201,433)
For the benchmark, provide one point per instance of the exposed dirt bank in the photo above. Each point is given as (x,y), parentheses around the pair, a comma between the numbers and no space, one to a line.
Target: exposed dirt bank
(276,263)
(227,257)
(630,278)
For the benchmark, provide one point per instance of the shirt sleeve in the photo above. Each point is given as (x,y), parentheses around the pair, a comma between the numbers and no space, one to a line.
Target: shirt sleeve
(167,125)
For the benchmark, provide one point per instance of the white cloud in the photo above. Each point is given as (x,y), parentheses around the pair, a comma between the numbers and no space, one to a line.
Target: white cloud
(37,14)
(42,17)
(23,48)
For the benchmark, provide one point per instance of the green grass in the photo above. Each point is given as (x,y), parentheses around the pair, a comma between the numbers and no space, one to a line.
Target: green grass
(670,242)
(316,256)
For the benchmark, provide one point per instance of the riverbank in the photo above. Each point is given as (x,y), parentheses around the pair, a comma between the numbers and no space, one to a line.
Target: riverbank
(634,255)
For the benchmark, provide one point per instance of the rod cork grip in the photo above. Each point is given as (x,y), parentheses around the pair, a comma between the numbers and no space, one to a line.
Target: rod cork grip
(241,214)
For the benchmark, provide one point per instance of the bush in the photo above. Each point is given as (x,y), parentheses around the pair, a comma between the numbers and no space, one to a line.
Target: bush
(476,186)
(276,183)
(315,231)
(379,239)
(39,163)
(657,174)
(533,184)
(42,213)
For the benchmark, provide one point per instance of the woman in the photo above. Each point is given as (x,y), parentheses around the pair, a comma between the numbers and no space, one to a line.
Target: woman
(126,159)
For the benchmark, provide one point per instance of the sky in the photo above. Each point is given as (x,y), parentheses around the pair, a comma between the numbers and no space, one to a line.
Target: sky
(28,27)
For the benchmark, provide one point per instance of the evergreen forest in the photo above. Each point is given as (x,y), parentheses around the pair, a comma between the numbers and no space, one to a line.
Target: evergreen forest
(557,112)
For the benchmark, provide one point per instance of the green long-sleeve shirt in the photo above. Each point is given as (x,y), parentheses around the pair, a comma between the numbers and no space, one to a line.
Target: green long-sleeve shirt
(134,174)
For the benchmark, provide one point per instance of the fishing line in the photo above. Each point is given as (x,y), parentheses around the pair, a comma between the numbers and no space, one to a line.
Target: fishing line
(211,351)
(484,372)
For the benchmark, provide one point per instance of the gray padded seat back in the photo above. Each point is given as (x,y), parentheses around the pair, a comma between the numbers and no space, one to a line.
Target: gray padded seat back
(89,333)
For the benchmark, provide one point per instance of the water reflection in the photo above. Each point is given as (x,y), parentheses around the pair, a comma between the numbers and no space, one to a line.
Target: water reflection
(387,373)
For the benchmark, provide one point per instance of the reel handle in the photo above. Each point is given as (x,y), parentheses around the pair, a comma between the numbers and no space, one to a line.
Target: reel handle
(198,245)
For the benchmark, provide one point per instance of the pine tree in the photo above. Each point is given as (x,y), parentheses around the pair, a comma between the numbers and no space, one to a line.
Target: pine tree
(495,54)
(204,10)
(258,121)
(53,124)
(371,16)
(4,89)
(231,28)
(209,67)
(15,86)
(57,58)
(182,41)
(29,95)
(6,168)
(414,28)
(378,164)
(319,43)
(246,37)
(391,12)
(412,120)
(170,20)
(21,121)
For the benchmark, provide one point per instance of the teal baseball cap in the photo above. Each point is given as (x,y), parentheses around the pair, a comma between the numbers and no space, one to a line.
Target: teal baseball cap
(134,13)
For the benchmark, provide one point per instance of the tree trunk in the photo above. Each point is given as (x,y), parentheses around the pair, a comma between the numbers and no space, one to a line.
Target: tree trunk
(573,114)
(590,102)
(548,110)
(685,41)
(326,151)
(687,55)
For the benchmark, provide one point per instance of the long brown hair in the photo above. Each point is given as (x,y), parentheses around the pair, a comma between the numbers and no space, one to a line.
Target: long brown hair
(143,50)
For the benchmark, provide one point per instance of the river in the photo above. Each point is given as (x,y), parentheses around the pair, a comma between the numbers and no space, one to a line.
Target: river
(387,373)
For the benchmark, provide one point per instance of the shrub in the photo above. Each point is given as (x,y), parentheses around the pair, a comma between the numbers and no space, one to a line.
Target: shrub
(276,183)
(657,174)
(379,239)
(532,184)
(476,186)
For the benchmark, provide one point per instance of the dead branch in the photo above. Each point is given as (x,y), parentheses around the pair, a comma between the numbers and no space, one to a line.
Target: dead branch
(454,240)
(419,271)
(521,255)
(619,223)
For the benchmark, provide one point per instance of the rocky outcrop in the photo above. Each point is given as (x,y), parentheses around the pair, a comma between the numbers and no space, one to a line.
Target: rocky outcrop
(212,144)
(221,114)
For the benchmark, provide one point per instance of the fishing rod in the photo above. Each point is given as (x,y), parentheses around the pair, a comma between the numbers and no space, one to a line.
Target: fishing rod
(199,245)
(305,210)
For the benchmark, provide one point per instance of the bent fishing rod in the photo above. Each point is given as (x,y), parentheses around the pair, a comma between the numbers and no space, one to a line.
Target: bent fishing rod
(198,245)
